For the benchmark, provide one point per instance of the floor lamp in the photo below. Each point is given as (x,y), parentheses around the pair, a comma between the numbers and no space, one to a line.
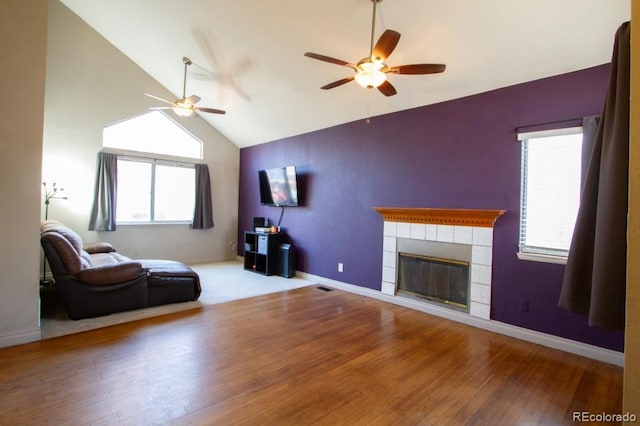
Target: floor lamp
(49,194)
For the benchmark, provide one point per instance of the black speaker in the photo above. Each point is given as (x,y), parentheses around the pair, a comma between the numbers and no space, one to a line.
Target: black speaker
(287,261)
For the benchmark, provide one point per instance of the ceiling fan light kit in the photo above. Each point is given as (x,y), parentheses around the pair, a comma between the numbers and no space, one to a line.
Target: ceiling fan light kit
(371,72)
(185,106)
(183,109)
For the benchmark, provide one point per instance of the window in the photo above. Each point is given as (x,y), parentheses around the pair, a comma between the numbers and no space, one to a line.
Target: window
(154,191)
(134,192)
(153,132)
(549,193)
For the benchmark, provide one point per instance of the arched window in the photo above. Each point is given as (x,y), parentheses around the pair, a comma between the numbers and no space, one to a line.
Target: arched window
(153,133)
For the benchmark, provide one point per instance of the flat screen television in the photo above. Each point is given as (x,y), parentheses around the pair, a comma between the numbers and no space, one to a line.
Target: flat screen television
(279,187)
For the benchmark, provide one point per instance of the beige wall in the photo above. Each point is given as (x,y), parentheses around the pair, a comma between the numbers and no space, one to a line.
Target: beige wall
(91,84)
(61,83)
(23,37)
(631,402)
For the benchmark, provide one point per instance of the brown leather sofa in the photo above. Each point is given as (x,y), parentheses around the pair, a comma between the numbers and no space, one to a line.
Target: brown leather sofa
(94,280)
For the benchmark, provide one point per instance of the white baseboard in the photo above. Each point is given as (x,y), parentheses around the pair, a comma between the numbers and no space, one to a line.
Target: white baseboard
(583,349)
(20,338)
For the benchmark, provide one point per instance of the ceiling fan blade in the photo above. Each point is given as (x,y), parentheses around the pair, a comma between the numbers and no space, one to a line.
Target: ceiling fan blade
(418,69)
(329,59)
(387,89)
(211,110)
(193,99)
(337,83)
(385,45)
(162,107)
(204,75)
(160,99)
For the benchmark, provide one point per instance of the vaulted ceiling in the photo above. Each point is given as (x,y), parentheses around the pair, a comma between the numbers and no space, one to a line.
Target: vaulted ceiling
(248,55)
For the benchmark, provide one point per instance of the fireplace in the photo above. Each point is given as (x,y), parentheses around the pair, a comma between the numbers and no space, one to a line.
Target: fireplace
(458,235)
(439,280)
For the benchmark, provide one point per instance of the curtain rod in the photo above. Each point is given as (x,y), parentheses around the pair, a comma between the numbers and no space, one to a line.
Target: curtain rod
(568,120)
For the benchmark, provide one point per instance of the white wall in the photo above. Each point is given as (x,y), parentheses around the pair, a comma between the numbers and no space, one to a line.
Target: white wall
(91,84)
(23,35)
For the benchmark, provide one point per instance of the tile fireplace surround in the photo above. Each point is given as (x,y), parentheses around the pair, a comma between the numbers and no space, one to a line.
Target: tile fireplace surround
(466,227)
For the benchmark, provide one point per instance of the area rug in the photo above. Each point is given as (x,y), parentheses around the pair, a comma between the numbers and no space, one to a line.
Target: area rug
(221,282)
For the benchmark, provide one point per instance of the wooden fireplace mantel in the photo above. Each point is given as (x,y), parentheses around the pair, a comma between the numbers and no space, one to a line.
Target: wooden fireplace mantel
(462,217)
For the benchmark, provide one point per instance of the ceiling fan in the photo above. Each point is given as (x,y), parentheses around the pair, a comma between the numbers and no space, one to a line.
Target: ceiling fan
(371,71)
(185,106)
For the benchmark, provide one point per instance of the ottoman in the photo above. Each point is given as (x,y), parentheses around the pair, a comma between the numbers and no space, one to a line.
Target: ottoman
(169,281)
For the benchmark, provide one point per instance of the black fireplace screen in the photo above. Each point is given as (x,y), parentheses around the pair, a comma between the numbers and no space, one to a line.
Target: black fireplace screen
(445,281)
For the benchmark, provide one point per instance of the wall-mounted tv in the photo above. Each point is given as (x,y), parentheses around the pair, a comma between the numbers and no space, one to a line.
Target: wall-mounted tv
(279,187)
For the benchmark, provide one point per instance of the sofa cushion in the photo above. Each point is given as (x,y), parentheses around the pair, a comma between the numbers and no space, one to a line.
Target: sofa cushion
(107,259)
(111,274)
(68,244)
(71,259)
(71,236)
(99,247)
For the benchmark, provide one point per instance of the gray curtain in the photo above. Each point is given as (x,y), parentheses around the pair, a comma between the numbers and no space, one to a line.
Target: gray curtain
(595,275)
(103,212)
(203,213)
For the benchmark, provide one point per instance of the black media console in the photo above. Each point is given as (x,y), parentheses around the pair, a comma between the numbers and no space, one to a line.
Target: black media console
(262,252)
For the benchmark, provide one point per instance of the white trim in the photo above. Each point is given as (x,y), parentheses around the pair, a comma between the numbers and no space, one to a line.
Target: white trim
(20,338)
(583,349)
(547,133)
(545,258)
(159,222)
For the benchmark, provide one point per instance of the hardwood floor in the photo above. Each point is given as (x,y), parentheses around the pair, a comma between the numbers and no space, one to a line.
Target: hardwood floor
(305,356)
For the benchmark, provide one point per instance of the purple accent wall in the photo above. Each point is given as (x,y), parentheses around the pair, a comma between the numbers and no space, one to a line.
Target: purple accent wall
(456,154)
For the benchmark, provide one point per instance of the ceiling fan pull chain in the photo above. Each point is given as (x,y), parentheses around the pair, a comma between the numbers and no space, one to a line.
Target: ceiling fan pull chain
(368,119)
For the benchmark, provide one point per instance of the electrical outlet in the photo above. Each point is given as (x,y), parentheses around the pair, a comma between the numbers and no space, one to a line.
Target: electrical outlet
(340,267)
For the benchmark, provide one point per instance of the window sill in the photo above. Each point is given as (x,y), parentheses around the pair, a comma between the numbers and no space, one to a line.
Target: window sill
(544,258)
(153,223)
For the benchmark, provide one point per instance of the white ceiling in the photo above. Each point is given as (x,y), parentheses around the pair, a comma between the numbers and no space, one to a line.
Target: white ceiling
(270,90)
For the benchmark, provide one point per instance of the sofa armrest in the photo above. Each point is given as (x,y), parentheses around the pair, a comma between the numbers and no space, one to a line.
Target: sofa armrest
(101,247)
(111,274)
